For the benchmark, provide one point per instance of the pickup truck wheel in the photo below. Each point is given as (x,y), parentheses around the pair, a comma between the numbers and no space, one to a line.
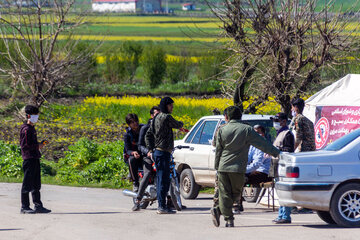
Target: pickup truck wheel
(345,205)
(189,189)
(326,217)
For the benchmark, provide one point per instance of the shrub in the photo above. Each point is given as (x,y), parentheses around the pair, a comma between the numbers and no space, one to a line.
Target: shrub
(154,64)
(104,164)
(81,154)
(212,67)
(87,71)
(121,64)
(178,70)
(110,166)
(10,160)
(130,52)
(115,70)
(11,107)
(68,174)
(48,168)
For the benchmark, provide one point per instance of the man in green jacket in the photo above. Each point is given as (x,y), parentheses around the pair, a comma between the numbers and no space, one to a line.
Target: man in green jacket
(232,147)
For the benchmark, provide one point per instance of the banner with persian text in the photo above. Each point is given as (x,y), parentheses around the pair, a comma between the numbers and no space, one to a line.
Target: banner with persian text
(333,122)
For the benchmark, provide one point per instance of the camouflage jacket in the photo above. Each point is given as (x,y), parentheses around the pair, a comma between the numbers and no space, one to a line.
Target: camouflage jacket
(305,135)
(160,134)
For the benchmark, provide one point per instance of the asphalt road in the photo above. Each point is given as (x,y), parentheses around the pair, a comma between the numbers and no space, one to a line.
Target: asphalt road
(87,213)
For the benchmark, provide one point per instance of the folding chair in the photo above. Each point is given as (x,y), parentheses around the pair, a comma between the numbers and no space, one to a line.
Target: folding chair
(271,192)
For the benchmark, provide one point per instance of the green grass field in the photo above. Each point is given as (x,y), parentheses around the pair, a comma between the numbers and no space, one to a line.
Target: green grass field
(177,5)
(117,27)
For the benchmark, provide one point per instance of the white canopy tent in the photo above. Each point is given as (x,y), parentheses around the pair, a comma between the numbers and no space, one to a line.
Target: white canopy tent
(335,110)
(344,92)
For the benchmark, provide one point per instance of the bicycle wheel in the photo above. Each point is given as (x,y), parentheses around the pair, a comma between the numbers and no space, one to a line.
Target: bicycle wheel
(175,194)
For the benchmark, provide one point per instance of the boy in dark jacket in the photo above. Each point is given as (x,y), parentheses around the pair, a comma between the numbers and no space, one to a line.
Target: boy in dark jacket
(30,151)
(147,161)
(131,139)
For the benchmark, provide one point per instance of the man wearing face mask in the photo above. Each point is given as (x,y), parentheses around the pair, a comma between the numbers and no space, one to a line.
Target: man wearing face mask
(285,139)
(285,142)
(30,151)
(160,140)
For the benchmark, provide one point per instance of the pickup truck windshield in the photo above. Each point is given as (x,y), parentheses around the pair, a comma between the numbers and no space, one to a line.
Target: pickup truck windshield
(343,141)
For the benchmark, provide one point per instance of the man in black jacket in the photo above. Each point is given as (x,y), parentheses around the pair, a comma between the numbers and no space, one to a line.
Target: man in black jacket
(30,151)
(160,139)
(147,161)
(131,150)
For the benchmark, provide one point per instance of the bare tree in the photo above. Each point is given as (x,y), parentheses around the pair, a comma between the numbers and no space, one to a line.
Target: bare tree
(38,50)
(280,46)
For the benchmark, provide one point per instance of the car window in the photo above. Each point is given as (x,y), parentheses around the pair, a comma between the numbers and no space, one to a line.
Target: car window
(208,132)
(191,135)
(343,141)
(197,136)
(268,124)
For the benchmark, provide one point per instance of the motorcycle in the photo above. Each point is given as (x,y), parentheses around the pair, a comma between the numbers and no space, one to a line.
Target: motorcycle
(150,194)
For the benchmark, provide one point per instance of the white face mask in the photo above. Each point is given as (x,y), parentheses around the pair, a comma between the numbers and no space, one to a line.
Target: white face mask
(293,113)
(276,125)
(34,118)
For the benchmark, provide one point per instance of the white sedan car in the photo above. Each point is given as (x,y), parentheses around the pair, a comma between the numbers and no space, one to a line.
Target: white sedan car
(195,164)
(327,181)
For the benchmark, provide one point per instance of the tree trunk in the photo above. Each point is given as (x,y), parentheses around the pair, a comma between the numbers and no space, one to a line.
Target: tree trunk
(285,104)
(239,94)
(238,98)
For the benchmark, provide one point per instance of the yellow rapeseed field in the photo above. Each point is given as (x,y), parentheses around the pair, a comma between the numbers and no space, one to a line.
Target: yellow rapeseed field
(169,58)
(209,103)
(148,101)
(126,38)
(144,38)
(162,25)
(145,19)
(188,110)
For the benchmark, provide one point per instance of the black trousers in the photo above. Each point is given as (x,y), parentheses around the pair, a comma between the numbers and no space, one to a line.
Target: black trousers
(134,165)
(147,168)
(256,178)
(31,183)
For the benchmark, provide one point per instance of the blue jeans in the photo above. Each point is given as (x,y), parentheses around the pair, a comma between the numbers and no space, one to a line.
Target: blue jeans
(284,213)
(162,162)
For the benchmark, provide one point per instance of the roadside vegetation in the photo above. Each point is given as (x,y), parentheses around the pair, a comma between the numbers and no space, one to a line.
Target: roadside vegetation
(85,137)
(144,56)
